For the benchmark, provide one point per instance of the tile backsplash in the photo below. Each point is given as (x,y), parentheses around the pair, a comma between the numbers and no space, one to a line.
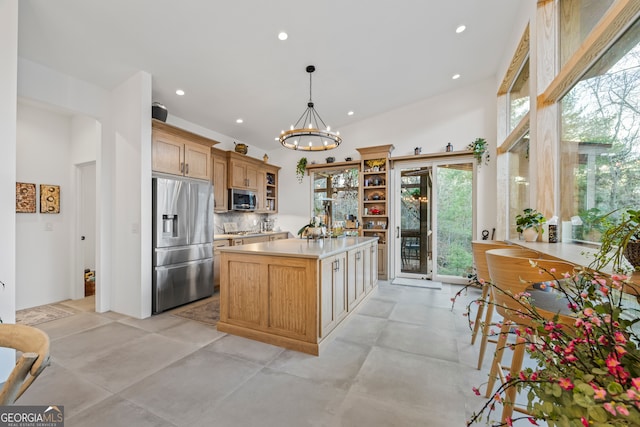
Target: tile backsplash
(247,221)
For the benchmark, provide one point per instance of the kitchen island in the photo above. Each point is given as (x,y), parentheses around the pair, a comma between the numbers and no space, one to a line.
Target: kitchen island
(293,293)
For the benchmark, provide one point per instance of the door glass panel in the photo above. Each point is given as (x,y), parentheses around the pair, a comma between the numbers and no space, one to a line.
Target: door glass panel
(415,217)
(454,217)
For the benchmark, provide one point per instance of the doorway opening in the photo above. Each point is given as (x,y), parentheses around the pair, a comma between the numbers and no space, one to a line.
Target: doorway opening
(435,214)
(87,231)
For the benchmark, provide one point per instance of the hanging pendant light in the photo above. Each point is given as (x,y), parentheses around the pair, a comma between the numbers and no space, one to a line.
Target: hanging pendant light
(310,133)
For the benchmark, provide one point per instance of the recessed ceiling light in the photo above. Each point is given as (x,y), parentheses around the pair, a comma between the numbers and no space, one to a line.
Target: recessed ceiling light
(455,76)
(239,121)
(461,28)
(350,113)
(179,92)
(283,36)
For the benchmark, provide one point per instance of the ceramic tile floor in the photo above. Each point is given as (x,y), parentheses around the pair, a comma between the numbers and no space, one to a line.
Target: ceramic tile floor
(403,359)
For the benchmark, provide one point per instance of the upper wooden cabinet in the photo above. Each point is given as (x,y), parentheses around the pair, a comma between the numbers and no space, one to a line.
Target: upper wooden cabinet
(268,189)
(253,174)
(179,152)
(243,173)
(220,188)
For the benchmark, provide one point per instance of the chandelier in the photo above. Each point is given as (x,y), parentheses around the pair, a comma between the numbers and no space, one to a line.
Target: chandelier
(310,133)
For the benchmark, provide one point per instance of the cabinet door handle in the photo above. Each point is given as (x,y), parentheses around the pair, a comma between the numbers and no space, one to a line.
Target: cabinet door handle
(187,167)
(181,167)
(336,265)
(397,232)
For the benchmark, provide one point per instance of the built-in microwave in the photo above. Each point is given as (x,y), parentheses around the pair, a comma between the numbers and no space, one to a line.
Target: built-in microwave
(242,200)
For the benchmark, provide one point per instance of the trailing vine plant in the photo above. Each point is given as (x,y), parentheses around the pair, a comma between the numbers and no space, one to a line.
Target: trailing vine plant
(301,168)
(480,150)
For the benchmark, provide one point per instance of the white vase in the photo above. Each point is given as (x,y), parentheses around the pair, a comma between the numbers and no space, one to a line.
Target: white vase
(530,234)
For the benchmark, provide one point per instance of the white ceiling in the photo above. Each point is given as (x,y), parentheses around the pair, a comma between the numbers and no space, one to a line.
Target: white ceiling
(371,56)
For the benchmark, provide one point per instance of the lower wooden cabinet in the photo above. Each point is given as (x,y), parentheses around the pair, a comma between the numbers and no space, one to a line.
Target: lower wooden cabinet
(278,236)
(333,302)
(289,300)
(356,289)
(246,240)
(216,260)
(373,254)
(382,261)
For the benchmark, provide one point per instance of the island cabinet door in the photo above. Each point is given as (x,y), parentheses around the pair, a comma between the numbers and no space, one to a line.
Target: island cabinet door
(367,256)
(333,292)
(357,266)
(373,250)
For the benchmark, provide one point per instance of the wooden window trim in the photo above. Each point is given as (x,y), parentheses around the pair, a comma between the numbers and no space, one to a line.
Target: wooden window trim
(621,15)
(519,58)
(515,135)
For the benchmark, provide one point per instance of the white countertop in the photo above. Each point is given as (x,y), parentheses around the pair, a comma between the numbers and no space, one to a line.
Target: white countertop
(574,253)
(301,248)
(241,236)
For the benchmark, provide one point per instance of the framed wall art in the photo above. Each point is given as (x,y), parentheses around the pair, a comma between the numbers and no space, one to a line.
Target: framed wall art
(49,198)
(25,197)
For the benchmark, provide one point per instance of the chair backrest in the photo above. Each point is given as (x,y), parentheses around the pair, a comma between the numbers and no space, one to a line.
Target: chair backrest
(512,273)
(33,344)
(479,248)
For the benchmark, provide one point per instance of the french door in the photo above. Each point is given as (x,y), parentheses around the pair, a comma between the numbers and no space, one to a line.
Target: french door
(434,219)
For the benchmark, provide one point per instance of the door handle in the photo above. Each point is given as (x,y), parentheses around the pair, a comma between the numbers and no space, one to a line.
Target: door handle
(397,232)
(82,237)
(181,167)
(187,171)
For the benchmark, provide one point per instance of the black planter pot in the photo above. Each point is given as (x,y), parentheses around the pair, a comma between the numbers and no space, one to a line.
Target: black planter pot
(159,112)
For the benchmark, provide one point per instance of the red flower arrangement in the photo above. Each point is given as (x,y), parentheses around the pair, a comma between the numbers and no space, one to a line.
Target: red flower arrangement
(586,375)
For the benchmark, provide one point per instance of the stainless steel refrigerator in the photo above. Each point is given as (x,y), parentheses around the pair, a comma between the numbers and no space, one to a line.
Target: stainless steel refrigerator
(182,241)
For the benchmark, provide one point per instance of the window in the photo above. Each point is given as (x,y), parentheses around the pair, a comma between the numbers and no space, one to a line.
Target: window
(519,97)
(518,181)
(600,139)
(577,19)
(335,195)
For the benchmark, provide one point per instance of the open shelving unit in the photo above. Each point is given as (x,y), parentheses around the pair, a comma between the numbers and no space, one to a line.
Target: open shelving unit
(374,179)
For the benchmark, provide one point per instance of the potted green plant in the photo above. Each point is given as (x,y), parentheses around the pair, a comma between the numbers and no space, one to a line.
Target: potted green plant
(315,229)
(301,168)
(620,241)
(480,150)
(529,224)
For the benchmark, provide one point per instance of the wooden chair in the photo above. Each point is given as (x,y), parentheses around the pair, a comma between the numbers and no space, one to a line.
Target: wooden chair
(33,344)
(479,248)
(512,273)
